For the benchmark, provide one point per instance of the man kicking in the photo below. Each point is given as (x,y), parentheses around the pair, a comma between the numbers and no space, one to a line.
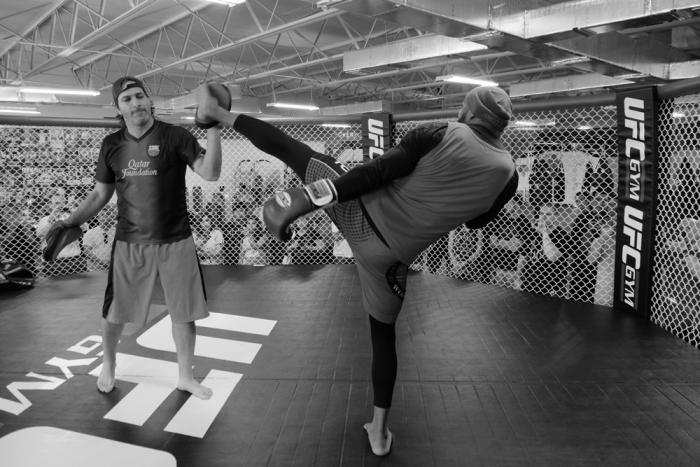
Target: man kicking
(391,208)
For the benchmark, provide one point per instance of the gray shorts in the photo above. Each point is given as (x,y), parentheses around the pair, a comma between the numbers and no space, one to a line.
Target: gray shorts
(382,279)
(382,274)
(133,271)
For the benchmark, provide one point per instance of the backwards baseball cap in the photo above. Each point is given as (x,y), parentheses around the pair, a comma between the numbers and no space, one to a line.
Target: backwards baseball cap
(488,107)
(124,83)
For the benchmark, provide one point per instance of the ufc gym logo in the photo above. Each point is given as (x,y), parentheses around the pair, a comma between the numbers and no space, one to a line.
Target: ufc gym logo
(634,145)
(156,379)
(375,133)
(633,219)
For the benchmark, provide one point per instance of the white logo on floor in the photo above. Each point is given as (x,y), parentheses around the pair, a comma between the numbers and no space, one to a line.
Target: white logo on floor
(156,379)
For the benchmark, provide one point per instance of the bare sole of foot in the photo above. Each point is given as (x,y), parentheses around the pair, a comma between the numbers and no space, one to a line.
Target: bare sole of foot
(196,389)
(379,449)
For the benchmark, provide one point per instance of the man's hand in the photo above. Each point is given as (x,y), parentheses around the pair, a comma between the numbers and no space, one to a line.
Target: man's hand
(211,96)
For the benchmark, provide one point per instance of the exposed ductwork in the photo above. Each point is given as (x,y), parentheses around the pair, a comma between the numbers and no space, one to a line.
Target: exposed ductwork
(511,25)
(406,50)
(642,55)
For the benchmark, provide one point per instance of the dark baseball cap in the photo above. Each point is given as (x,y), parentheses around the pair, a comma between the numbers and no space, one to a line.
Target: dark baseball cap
(124,83)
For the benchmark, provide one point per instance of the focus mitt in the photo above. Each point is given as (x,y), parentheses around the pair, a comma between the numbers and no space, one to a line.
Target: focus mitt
(223,97)
(60,234)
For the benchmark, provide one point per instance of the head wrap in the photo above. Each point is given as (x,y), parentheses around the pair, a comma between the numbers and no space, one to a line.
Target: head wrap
(488,107)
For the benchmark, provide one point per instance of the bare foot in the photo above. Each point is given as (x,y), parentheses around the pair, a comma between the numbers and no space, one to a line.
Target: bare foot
(196,389)
(378,441)
(105,382)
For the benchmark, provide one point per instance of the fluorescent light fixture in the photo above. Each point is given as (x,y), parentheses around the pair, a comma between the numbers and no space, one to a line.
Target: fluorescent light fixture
(677,114)
(282,105)
(19,110)
(325,3)
(187,117)
(571,61)
(584,127)
(227,2)
(336,125)
(466,80)
(532,123)
(73,92)
(636,75)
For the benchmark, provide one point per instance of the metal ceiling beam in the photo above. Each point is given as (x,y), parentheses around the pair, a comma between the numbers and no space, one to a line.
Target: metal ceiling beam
(285,69)
(564,84)
(296,66)
(330,13)
(89,38)
(41,17)
(131,39)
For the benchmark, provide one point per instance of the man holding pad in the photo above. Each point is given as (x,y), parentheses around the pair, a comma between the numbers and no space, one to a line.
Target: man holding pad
(145,162)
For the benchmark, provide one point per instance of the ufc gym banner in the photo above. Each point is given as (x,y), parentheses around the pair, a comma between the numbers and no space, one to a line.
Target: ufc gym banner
(376,134)
(637,127)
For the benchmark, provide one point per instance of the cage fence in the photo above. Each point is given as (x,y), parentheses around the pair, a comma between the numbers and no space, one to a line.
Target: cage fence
(676,284)
(553,238)
(556,237)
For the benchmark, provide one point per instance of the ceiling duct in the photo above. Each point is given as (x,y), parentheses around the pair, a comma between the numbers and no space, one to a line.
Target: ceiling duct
(643,55)
(407,50)
(473,21)
(513,25)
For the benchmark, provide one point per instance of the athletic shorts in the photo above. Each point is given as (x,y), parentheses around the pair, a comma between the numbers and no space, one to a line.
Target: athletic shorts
(133,271)
(382,274)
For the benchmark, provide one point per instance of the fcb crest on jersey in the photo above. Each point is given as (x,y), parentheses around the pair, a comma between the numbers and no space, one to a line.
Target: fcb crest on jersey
(153,150)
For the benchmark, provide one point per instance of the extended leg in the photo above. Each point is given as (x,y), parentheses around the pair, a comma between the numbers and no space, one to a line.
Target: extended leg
(275,142)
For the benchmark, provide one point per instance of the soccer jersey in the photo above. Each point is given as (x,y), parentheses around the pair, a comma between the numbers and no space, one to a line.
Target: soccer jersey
(457,180)
(149,175)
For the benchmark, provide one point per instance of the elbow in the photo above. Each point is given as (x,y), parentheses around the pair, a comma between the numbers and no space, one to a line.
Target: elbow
(211,177)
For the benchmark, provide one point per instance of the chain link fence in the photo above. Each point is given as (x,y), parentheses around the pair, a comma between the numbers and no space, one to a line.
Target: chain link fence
(554,237)
(44,173)
(676,285)
(557,236)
